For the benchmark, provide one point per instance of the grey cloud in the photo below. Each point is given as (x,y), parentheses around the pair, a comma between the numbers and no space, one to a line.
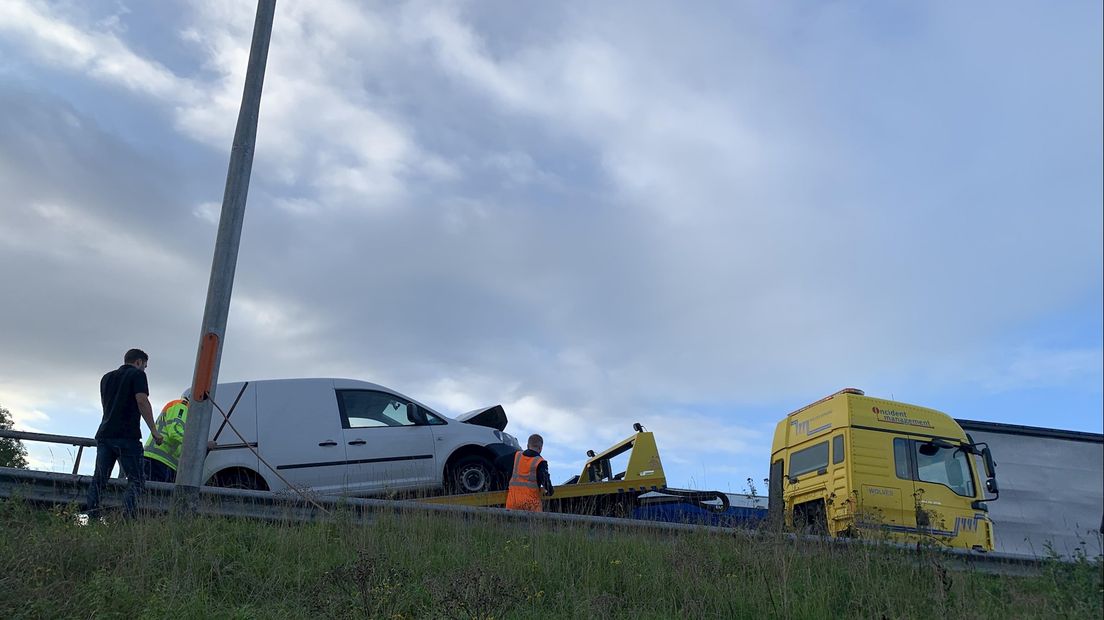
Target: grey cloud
(91,257)
(726,286)
(599,209)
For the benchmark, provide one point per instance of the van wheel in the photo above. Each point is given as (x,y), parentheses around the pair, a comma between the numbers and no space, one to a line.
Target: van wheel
(471,474)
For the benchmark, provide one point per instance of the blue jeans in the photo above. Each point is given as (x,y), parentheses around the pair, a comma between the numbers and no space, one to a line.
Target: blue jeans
(128,452)
(156,471)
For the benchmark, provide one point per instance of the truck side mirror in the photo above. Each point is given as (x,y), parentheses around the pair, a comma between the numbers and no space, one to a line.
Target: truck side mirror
(928,449)
(990,471)
(990,466)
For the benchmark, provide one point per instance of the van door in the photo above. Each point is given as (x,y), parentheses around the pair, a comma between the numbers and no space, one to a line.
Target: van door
(389,445)
(300,433)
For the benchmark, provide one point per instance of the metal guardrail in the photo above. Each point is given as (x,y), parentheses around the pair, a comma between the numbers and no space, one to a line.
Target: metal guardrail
(59,488)
(80,442)
(41,487)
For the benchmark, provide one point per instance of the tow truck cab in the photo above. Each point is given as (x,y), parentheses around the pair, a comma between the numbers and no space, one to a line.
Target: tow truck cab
(852,465)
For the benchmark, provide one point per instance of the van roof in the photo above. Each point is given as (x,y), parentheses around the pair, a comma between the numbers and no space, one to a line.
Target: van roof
(338,382)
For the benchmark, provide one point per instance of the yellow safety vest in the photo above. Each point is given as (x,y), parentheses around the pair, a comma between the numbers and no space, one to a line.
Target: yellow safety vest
(171,426)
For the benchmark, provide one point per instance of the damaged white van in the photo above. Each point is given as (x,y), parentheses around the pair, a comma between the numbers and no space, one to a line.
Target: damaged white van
(341,436)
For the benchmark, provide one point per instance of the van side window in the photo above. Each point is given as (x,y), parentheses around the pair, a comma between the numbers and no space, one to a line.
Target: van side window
(809,459)
(433,420)
(367,409)
(837,449)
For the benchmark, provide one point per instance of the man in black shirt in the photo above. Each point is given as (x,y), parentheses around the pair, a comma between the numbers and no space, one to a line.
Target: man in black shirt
(124,393)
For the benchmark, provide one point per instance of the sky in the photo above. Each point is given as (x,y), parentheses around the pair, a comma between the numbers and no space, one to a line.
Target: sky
(698,217)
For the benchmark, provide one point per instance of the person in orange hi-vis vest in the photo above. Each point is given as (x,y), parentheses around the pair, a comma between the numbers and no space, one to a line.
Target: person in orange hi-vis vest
(529,475)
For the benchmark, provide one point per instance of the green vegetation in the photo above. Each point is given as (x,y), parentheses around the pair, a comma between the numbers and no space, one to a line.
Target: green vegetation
(421,566)
(12,452)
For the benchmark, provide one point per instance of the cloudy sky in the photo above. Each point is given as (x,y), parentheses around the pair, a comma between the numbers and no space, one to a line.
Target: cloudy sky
(699,217)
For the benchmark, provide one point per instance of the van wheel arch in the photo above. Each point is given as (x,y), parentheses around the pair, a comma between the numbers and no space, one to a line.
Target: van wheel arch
(238,478)
(469,464)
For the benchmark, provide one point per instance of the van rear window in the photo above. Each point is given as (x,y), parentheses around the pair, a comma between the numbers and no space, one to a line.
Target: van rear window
(809,459)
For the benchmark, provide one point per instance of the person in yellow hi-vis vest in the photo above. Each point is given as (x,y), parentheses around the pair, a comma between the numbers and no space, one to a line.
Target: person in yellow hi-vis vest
(529,475)
(160,461)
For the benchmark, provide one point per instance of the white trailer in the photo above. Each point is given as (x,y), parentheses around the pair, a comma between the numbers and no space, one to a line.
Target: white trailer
(1051,488)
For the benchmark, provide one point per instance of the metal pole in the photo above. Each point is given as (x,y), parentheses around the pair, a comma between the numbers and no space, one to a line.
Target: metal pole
(189,476)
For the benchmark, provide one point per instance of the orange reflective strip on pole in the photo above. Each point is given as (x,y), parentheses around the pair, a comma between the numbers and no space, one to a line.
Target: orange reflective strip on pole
(205,367)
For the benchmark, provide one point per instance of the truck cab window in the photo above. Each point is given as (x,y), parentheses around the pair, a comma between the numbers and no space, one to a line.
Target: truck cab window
(809,459)
(367,409)
(947,466)
(837,449)
(927,462)
(901,459)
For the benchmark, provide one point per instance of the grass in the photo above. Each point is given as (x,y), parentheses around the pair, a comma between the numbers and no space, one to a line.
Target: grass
(421,566)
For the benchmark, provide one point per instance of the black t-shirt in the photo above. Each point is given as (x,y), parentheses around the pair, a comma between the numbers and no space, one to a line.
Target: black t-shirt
(117,393)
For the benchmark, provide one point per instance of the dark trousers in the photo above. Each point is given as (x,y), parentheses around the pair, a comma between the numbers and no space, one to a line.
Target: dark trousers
(156,471)
(128,452)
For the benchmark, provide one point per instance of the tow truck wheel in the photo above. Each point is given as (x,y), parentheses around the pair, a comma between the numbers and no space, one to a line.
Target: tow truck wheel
(471,474)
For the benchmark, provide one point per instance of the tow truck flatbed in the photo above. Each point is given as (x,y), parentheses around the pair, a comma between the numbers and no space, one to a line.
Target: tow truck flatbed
(597,490)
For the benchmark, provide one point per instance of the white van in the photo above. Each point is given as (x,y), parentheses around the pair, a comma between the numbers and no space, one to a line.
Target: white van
(340,436)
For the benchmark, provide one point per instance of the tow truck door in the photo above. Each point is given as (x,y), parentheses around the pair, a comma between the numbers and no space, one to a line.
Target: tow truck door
(840,505)
(880,481)
(944,490)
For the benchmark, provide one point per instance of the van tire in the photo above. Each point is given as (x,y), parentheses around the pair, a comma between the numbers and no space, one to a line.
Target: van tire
(471,474)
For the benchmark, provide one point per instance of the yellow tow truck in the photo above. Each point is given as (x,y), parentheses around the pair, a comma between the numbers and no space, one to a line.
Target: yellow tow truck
(853,465)
(597,490)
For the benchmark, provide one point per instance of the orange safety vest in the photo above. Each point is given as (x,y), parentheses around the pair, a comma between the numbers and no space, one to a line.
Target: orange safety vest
(524,492)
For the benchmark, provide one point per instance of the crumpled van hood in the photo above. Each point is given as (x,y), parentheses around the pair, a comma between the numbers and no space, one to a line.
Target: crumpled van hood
(491,417)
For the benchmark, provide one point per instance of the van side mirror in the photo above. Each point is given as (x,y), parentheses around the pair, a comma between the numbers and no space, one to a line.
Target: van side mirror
(416,415)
